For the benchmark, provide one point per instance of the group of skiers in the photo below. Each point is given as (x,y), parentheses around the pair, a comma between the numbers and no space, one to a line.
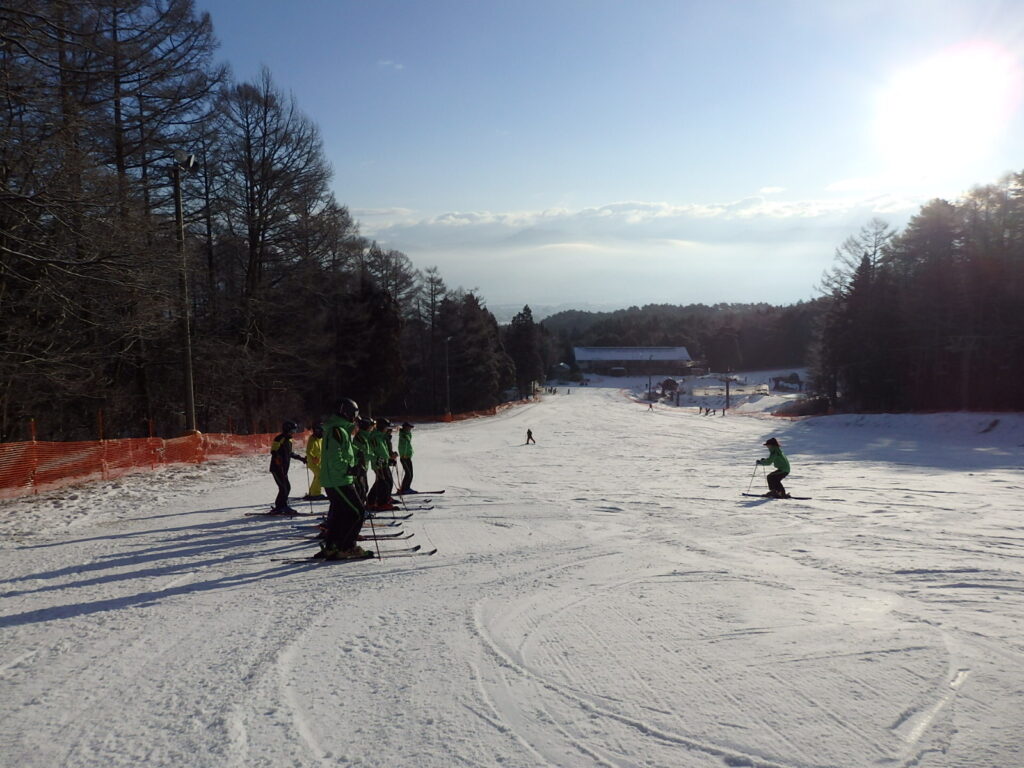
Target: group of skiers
(339,453)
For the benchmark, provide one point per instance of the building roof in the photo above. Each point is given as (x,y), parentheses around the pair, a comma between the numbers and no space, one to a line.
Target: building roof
(618,354)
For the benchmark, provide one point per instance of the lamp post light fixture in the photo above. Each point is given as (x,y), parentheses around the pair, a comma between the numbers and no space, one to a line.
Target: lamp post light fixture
(184,162)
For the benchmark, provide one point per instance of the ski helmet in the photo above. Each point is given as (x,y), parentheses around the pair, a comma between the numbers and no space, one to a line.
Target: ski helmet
(365,422)
(289,426)
(772,441)
(383,424)
(347,409)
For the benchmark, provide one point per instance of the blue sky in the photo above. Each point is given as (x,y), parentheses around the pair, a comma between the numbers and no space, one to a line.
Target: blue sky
(610,153)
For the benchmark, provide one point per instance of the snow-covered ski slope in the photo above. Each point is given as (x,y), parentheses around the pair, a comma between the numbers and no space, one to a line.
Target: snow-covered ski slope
(605,597)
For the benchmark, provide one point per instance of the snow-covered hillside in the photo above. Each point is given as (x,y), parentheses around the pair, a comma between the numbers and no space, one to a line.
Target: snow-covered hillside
(606,597)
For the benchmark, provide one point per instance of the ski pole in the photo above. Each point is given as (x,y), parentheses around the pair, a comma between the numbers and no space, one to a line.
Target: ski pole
(309,487)
(360,510)
(376,541)
(751,483)
(401,496)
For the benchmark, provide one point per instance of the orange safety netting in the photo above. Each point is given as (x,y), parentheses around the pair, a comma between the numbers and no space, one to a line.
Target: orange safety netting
(27,468)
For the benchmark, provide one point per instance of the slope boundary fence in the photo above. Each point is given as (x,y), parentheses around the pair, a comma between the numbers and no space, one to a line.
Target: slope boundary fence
(31,467)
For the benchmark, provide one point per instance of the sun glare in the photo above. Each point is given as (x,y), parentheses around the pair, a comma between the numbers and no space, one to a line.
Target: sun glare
(947,111)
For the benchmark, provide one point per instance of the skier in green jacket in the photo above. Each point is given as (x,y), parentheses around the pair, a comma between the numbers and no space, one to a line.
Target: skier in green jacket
(346,514)
(777,459)
(379,497)
(363,452)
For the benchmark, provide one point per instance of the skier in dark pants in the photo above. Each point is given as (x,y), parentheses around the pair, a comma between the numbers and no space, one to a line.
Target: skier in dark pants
(379,497)
(392,454)
(363,452)
(405,456)
(777,459)
(281,455)
(346,514)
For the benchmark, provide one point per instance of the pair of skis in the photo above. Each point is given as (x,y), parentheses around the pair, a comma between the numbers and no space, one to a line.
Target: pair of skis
(364,535)
(272,513)
(416,551)
(399,536)
(770,496)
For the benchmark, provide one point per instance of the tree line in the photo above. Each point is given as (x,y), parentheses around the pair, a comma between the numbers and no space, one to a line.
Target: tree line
(260,281)
(929,318)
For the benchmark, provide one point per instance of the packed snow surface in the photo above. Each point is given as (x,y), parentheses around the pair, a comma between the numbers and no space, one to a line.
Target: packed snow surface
(606,597)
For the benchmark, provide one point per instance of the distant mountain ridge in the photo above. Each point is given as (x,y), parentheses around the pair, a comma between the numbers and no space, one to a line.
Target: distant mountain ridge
(504,313)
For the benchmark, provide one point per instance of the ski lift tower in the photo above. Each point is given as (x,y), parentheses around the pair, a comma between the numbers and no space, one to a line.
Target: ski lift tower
(727,379)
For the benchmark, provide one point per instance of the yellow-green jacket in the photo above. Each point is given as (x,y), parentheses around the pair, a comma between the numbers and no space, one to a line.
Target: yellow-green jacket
(405,443)
(361,445)
(775,458)
(337,455)
(379,454)
(314,450)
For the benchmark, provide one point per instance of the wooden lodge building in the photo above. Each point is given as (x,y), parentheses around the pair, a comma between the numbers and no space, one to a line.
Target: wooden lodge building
(633,361)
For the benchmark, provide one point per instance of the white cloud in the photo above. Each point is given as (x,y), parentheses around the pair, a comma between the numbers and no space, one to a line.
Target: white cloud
(390,64)
(390,214)
(632,215)
(587,247)
(638,251)
(683,245)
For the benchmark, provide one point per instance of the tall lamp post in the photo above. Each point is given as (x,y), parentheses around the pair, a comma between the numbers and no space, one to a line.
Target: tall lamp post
(447,380)
(184,162)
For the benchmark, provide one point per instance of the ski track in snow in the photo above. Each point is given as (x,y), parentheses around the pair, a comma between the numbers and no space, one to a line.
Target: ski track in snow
(602,598)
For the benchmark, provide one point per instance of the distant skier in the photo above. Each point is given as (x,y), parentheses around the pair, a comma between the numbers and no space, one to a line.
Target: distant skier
(529,438)
(281,455)
(777,459)
(405,457)
(650,407)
